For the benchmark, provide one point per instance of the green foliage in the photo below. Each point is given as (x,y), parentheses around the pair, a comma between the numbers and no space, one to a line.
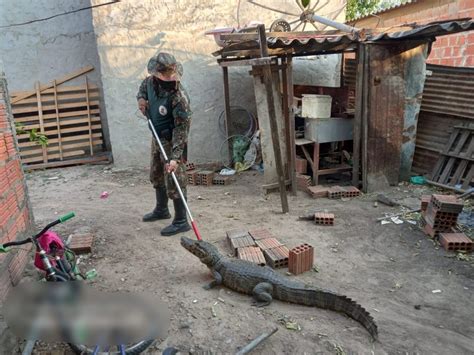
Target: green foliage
(34,136)
(357,8)
(305,3)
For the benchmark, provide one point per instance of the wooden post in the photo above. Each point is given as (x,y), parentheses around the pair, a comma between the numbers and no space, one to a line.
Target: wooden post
(291,118)
(40,115)
(89,119)
(365,115)
(358,117)
(58,123)
(267,77)
(287,115)
(225,74)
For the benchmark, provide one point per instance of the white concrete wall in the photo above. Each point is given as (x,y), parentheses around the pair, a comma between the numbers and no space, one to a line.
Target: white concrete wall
(130,32)
(49,49)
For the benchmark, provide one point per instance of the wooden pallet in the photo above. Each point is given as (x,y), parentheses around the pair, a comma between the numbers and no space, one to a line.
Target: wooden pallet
(69,116)
(455,165)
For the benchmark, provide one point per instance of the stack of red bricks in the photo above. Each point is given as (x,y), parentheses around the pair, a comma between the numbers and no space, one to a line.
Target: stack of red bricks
(204,177)
(15,219)
(258,246)
(334,192)
(439,220)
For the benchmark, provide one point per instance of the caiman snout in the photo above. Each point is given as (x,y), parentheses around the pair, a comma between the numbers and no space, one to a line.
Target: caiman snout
(192,246)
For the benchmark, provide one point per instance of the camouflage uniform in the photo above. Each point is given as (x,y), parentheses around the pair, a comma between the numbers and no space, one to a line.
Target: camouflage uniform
(178,105)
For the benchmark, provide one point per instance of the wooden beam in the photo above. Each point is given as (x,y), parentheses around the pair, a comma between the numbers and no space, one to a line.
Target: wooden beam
(291,118)
(89,120)
(356,139)
(40,115)
(286,117)
(225,74)
(58,82)
(88,160)
(267,77)
(58,124)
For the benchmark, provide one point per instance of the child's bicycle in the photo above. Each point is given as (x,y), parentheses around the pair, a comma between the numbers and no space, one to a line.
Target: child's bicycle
(59,265)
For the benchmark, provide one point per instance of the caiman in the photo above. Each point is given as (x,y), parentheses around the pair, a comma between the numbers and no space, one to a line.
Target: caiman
(265,284)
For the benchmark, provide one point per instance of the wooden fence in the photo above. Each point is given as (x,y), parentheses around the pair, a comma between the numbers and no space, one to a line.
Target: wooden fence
(69,117)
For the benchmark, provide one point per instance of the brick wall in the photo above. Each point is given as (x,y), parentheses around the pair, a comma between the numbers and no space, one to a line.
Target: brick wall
(15,214)
(453,50)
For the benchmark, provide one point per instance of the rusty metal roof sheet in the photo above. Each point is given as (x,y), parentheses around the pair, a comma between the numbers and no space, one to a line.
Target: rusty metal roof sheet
(301,43)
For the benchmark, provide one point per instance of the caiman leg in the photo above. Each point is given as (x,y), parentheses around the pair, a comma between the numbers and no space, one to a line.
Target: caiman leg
(263,294)
(216,282)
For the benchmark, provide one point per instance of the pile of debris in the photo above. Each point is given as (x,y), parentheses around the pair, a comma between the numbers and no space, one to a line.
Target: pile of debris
(439,217)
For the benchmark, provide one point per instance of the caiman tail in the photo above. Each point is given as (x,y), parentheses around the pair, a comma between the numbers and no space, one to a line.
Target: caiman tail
(329,300)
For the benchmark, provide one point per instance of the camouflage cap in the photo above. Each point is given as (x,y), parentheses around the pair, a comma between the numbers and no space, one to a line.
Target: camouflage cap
(162,61)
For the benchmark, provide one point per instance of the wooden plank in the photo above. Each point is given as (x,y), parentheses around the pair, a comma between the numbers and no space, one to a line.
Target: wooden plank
(88,160)
(308,157)
(53,115)
(60,97)
(54,149)
(89,123)
(40,114)
(442,160)
(267,77)
(286,117)
(64,130)
(54,156)
(49,86)
(58,124)
(52,107)
(63,123)
(26,144)
(60,90)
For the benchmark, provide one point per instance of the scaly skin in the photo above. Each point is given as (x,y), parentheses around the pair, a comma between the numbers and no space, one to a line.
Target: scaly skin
(265,284)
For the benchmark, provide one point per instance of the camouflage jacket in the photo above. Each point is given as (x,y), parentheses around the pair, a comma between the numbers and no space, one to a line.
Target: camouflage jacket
(181,114)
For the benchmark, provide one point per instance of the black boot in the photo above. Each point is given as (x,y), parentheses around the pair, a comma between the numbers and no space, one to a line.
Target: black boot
(161,209)
(180,222)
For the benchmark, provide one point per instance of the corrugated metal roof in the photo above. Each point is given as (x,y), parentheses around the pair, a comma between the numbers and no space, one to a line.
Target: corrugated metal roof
(301,43)
(394,6)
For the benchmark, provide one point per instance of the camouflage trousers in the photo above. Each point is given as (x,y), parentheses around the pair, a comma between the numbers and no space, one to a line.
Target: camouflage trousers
(159,177)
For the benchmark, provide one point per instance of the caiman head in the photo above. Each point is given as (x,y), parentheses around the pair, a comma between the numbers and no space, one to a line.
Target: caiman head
(206,252)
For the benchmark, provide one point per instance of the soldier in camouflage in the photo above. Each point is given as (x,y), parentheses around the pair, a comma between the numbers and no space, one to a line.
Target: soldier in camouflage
(162,95)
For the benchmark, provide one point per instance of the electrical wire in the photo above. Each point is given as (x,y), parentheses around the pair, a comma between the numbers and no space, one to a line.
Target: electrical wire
(60,14)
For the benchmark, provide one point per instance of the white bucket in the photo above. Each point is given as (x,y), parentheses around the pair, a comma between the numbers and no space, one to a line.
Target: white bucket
(316,106)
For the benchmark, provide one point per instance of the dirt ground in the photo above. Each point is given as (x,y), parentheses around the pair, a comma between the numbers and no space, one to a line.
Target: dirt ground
(388,269)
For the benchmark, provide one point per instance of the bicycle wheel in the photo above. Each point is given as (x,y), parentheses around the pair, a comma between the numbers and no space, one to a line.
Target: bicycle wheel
(129,349)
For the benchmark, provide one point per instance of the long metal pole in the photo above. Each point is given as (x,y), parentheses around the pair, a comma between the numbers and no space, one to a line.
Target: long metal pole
(334,24)
(188,211)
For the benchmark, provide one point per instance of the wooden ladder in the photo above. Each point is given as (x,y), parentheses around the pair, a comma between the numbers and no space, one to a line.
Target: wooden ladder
(455,164)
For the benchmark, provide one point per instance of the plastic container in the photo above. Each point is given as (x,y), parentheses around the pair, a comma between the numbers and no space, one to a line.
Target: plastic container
(316,106)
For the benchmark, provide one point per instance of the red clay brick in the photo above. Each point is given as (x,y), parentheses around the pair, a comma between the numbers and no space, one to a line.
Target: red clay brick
(82,243)
(192,176)
(277,257)
(425,200)
(456,242)
(335,192)
(268,243)
(258,234)
(350,191)
(326,219)
(318,191)
(303,182)
(236,233)
(301,165)
(252,254)
(447,203)
(300,259)
(240,242)
(204,177)
(221,180)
